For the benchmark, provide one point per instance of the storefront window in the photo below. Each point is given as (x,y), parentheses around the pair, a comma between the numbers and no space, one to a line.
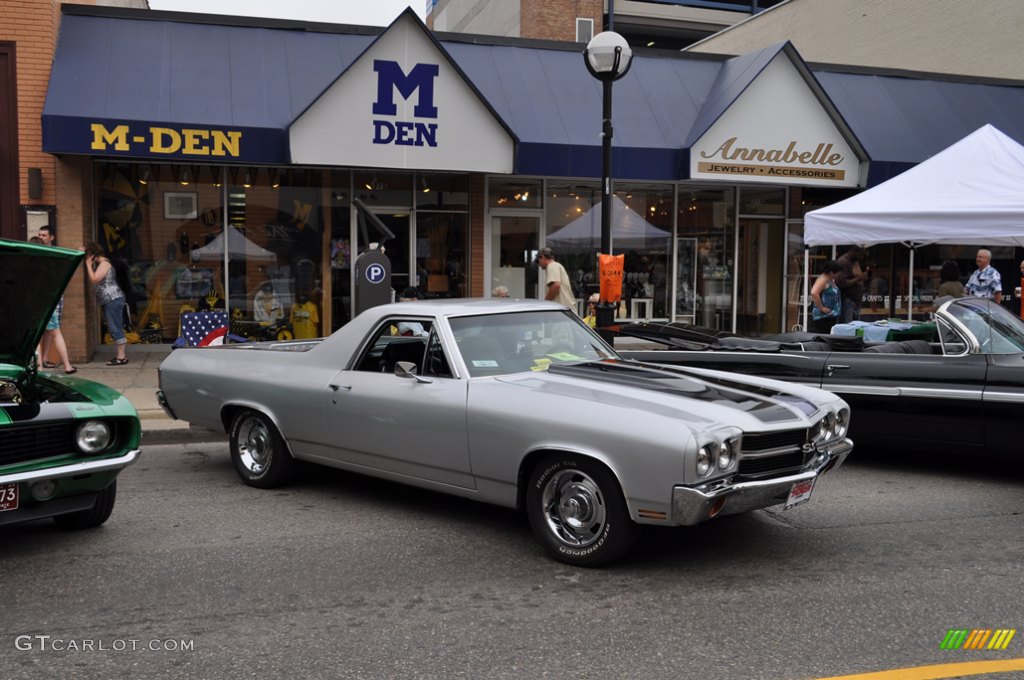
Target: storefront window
(378,188)
(442,192)
(704,262)
(518,193)
(157,220)
(573,219)
(807,199)
(642,231)
(342,251)
(168,224)
(441,240)
(760,201)
(513,246)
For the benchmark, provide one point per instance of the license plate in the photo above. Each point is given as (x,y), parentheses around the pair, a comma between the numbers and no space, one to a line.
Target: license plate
(800,493)
(8,497)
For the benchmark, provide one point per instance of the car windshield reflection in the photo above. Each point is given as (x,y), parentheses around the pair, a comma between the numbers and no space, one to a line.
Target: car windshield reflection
(499,344)
(995,329)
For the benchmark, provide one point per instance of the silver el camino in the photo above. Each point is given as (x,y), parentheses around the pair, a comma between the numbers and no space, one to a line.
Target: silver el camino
(516,403)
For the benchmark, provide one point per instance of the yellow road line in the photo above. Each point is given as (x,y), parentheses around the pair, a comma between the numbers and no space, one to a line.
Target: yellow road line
(945,670)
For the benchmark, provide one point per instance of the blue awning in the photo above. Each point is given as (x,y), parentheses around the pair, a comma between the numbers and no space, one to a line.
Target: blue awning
(221,81)
(903,121)
(554,106)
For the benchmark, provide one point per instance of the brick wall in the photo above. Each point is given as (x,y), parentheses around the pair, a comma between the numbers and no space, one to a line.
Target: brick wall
(74,229)
(547,20)
(32,26)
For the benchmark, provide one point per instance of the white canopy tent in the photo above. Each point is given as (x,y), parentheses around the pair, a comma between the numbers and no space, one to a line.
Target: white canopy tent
(239,248)
(969,193)
(629,230)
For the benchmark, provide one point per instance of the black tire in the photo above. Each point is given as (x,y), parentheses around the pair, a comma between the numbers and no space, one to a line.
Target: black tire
(94,516)
(258,451)
(577,511)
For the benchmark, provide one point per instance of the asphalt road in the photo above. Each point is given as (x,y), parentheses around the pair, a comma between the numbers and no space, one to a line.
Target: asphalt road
(346,577)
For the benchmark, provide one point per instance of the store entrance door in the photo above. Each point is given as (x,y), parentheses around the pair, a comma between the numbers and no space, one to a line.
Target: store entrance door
(514,243)
(759,296)
(396,249)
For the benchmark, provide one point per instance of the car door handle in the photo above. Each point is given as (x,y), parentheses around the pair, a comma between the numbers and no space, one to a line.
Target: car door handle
(335,388)
(836,367)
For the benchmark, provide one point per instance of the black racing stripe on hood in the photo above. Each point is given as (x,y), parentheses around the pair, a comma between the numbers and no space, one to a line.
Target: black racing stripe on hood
(766,404)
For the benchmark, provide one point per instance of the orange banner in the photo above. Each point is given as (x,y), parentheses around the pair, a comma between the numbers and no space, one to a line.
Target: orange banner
(610,273)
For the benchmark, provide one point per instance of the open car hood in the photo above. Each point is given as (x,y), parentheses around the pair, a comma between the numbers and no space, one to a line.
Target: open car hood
(32,279)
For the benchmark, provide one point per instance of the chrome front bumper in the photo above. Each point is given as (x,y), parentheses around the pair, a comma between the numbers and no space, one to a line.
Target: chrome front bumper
(73,469)
(693,505)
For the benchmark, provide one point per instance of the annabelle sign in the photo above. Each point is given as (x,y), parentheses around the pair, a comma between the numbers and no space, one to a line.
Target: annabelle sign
(402,104)
(777,131)
(733,159)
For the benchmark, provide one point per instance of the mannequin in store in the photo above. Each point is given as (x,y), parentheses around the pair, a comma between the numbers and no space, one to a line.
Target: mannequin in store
(266,306)
(305,318)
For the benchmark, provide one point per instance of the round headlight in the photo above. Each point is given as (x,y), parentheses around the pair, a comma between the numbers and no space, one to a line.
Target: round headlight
(704,461)
(726,455)
(828,425)
(818,430)
(93,436)
(842,423)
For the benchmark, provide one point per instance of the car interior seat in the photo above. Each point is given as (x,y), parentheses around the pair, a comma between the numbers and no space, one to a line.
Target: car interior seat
(917,347)
(402,350)
(886,348)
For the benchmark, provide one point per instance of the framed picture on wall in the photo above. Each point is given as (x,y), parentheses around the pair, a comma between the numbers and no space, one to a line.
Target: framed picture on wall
(180,205)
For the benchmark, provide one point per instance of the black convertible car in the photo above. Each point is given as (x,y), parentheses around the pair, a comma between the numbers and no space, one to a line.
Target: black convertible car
(964,390)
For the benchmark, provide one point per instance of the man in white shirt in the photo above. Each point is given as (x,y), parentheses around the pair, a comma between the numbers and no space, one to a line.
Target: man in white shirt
(558,286)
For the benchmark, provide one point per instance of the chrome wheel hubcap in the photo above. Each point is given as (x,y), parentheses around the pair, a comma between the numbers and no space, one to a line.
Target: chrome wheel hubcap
(254,445)
(574,508)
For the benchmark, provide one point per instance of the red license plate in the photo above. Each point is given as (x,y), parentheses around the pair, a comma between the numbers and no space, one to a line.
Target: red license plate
(800,493)
(8,497)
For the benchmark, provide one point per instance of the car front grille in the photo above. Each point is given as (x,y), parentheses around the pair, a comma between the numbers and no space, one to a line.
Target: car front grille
(772,454)
(19,444)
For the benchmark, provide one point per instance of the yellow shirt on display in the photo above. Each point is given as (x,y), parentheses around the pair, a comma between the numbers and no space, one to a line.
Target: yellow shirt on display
(305,320)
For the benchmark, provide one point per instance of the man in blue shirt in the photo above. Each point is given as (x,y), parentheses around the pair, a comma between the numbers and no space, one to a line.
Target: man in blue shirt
(986,282)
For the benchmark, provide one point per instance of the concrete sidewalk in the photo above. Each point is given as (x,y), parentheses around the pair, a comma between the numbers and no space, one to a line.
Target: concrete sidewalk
(138,381)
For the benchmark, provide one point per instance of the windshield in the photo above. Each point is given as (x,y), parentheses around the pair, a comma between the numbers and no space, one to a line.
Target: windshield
(499,344)
(996,330)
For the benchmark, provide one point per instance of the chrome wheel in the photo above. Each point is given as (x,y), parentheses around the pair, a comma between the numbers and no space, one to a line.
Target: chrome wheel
(258,452)
(574,508)
(255,445)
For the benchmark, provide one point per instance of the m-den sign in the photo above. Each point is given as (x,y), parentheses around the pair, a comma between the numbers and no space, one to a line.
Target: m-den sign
(166,141)
(730,158)
(387,128)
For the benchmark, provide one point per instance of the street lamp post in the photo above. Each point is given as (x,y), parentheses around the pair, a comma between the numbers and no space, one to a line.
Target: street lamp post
(608,58)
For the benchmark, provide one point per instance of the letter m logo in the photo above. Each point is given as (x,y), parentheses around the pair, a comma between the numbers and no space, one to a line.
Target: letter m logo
(390,77)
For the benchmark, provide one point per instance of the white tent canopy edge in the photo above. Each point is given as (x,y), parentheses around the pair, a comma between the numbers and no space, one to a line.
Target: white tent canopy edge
(970,193)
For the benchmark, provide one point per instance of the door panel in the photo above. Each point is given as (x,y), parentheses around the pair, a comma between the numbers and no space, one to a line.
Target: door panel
(382,421)
(1004,401)
(921,398)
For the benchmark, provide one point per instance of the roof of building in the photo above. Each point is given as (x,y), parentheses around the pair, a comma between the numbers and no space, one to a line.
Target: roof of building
(165,68)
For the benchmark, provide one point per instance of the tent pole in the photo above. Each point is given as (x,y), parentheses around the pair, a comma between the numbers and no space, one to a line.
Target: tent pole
(910,287)
(807,274)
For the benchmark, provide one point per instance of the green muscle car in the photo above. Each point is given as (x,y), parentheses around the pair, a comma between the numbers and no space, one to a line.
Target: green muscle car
(63,440)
